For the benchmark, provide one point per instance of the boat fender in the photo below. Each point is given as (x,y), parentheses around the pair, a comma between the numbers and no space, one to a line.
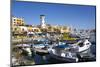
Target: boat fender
(77,59)
(63,54)
(53,51)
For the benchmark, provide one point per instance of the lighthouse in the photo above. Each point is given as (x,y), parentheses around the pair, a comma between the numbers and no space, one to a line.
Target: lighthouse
(42,20)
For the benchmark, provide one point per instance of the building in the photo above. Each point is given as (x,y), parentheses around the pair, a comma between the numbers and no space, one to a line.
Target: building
(17,21)
(36,30)
(42,20)
(19,27)
(65,29)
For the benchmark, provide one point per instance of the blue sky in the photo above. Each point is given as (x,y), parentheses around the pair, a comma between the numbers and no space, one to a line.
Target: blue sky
(82,17)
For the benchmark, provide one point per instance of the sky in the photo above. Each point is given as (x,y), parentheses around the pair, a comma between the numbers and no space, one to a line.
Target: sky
(76,16)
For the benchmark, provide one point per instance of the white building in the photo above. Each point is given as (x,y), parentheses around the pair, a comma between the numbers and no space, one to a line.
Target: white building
(42,20)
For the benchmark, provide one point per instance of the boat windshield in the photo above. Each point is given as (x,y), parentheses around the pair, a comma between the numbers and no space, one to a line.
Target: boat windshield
(81,44)
(62,46)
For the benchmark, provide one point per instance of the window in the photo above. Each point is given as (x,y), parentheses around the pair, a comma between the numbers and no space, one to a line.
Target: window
(23,29)
(81,44)
(15,29)
(36,30)
(87,43)
(14,19)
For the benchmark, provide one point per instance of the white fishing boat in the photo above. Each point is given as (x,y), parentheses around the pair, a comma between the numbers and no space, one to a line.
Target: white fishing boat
(22,45)
(41,43)
(39,46)
(70,52)
(25,47)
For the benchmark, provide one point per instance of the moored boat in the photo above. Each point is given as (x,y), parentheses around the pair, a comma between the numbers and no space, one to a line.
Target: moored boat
(70,52)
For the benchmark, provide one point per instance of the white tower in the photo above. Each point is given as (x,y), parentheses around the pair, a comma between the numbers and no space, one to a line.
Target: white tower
(42,20)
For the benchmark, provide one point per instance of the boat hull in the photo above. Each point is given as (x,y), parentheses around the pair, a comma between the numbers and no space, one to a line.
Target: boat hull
(63,59)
